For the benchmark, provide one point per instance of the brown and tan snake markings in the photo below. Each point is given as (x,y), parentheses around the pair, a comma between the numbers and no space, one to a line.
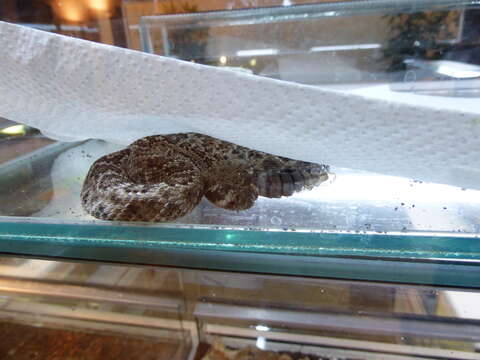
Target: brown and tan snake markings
(163,177)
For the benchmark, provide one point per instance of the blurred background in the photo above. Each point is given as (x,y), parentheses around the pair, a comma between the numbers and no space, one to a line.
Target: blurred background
(379,45)
(111,21)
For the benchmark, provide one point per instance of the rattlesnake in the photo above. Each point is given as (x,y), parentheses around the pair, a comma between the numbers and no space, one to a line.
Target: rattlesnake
(163,177)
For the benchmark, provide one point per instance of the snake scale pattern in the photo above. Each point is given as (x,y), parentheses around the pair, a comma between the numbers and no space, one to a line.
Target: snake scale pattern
(163,177)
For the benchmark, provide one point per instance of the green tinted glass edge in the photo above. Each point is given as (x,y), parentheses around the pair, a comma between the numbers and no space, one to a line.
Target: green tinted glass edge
(426,259)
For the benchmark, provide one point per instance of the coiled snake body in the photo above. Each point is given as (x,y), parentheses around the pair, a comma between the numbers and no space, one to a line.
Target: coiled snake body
(163,177)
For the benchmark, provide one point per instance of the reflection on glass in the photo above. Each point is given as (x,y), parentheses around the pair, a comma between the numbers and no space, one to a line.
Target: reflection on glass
(331,44)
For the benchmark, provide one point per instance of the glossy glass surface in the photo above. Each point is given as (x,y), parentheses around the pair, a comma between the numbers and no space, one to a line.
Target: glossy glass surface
(356,225)
(42,216)
(178,313)
(424,47)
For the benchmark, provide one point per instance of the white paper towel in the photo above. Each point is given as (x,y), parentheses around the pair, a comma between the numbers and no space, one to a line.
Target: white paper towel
(74,89)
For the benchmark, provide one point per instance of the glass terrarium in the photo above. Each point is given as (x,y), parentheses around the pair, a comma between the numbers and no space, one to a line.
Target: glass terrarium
(424,47)
(96,310)
(356,225)
(360,266)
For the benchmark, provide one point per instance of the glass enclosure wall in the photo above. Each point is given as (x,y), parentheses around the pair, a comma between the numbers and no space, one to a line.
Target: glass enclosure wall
(125,311)
(425,52)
